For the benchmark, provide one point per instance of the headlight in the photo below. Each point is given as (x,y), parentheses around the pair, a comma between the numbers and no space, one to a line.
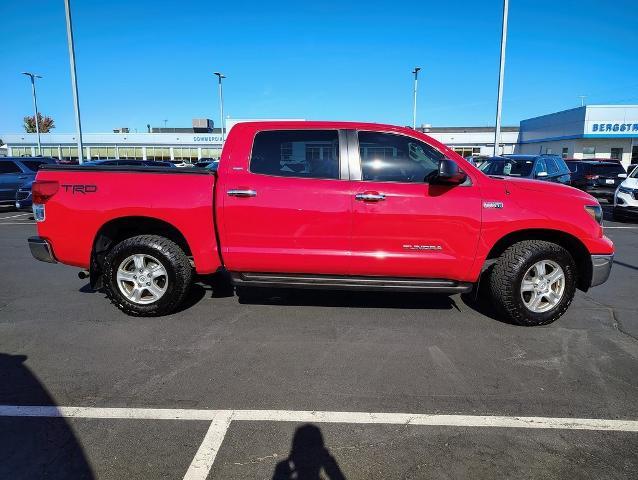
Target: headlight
(596,212)
(624,190)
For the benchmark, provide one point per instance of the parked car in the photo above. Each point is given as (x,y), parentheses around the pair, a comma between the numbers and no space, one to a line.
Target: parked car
(127,163)
(550,168)
(16,171)
(205,162)
(336,205)
(626,198)
(477,160)
(182,163)
(596,177)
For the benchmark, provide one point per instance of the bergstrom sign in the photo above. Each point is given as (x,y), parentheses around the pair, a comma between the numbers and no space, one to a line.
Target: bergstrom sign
(613,127)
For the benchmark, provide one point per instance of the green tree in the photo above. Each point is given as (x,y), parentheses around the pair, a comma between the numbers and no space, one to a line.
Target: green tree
(45,123)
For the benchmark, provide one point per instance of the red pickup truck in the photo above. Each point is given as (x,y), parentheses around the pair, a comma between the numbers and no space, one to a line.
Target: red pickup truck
(324,205)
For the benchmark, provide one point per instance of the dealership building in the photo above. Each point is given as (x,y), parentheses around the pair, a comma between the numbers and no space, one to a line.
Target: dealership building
(593,131)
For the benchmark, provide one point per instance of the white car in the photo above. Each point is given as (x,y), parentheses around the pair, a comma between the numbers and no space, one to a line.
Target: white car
(626,198)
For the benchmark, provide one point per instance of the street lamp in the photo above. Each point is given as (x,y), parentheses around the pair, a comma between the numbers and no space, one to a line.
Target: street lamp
(74,83)
(221,101)
(33,76)
(416,75)
(501,74)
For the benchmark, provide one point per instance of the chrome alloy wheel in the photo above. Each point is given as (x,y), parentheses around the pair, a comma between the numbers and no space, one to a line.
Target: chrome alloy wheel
(543,286)
(142,279)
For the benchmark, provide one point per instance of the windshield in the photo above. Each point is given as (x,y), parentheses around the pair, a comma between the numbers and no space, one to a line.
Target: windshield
(508,167)
(634,173)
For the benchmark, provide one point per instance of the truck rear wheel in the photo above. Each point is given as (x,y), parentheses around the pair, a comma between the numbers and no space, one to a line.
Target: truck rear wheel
(147,275)
(533,282)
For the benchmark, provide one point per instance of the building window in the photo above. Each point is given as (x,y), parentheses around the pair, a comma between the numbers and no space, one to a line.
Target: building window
(634,154)
(21,151)
(102,152)
(188,154)
(616,153)
(467,151)
(565,153)
(132,153)
(210,152)
(589,152)
(158,153)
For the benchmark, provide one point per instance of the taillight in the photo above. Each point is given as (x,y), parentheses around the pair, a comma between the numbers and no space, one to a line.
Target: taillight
(591,177)
(43,190)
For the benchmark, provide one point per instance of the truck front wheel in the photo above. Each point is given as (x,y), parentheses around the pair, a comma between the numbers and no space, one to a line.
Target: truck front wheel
(533,282)
(147,275)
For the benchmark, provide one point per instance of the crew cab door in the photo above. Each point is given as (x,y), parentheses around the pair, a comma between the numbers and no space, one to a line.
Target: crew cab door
(287,203)
(402,226)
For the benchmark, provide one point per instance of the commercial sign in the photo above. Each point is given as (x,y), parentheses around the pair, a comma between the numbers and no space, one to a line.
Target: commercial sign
(612,128)
(207,138)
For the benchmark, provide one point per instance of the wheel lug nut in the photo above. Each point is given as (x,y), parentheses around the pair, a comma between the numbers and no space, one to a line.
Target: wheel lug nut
(148,284)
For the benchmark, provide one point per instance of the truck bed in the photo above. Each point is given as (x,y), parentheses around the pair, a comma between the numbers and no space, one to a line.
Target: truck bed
(96,200)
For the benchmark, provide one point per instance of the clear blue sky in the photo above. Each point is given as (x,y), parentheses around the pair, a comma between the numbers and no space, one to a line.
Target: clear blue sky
(142,61)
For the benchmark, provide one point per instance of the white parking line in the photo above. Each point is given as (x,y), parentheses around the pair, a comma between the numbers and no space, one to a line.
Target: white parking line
(15,216)
(221,420)
(630,228)
(207,451)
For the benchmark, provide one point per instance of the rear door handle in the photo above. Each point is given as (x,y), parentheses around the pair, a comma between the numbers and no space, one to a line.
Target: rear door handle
(370,197)
(241,193)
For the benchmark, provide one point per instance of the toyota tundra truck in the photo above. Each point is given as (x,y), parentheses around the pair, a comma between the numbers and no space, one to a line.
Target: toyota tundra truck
(333,205)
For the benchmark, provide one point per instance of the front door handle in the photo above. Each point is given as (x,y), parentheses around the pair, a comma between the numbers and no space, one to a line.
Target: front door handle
(370,196)
(241,193)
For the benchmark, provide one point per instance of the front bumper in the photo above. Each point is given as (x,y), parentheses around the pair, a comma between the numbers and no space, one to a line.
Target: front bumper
(626,211)
(601,268)
(41,249)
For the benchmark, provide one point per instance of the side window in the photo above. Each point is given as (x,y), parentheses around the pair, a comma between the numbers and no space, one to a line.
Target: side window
(387,157)
(296,153)
(9,167)
(552,168)
(540,166)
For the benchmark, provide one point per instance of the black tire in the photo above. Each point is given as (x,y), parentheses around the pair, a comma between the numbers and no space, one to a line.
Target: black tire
(507,275)
(616,216)
(172,258)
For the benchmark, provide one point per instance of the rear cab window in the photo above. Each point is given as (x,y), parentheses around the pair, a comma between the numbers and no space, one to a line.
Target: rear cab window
(296,153)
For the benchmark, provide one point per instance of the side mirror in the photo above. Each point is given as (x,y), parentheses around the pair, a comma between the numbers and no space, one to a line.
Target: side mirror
(541,174)
(622,175)
(449,173)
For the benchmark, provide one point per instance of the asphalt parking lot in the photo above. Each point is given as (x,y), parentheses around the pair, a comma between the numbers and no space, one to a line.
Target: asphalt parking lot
(236,387)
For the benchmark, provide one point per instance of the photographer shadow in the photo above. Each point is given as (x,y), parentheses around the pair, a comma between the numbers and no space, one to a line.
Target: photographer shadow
(35,447)
(309,459)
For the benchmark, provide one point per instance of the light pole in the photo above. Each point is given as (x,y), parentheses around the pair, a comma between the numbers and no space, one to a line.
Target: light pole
(416,75)
(582,100)
(501,75)
(221,102)
(74,83)
(33,76)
